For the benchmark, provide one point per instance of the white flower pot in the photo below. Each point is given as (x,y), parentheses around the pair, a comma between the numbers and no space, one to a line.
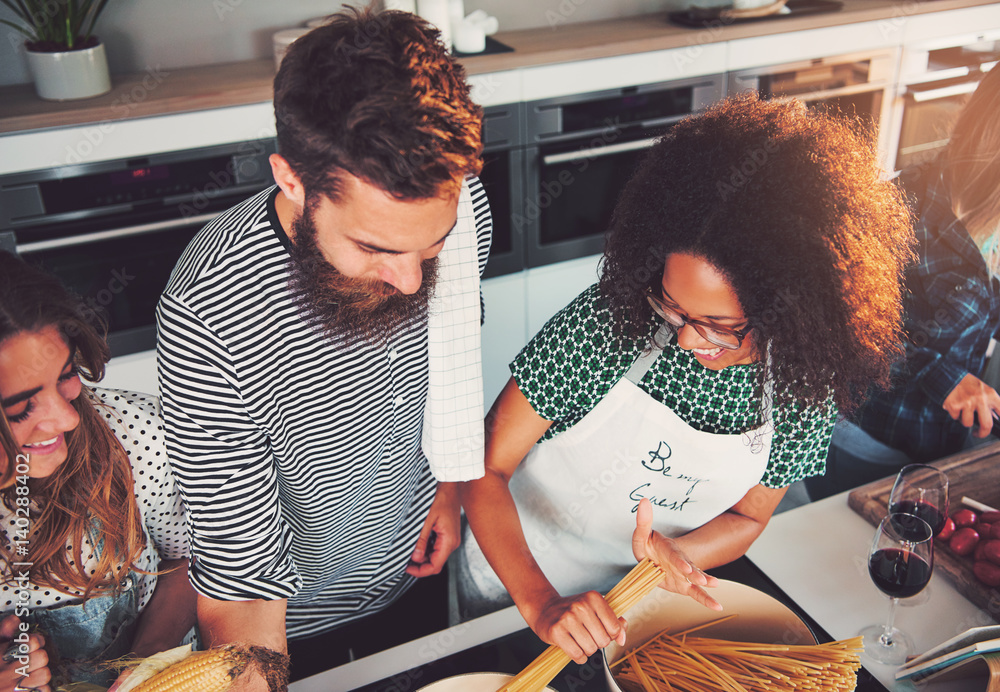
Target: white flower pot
(75,74)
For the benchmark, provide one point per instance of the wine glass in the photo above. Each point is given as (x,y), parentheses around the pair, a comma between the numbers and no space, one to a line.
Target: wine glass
(900,563)
(921,490)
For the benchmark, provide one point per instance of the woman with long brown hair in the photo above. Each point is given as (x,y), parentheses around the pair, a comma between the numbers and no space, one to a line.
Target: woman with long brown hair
(92,534)
(938,403)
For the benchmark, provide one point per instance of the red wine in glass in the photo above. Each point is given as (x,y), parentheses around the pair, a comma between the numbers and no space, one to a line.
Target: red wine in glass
(934,517)
(898,573)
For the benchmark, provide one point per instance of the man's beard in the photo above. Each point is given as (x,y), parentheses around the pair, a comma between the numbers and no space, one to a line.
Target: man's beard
(350,309)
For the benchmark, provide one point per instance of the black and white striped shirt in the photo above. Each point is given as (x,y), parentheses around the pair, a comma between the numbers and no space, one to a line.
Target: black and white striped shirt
(299,459)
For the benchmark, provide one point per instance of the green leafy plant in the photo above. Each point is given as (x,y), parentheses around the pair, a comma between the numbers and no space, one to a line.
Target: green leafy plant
(56,25)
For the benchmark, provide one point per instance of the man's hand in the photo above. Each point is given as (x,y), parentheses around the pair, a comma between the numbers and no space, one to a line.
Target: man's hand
(973,399)
(440,534)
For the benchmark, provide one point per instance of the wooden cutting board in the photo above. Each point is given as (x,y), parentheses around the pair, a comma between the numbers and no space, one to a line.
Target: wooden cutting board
(974,474)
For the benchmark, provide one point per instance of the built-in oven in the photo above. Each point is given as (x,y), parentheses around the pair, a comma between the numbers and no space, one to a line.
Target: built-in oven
(112,231)
(582,149)
(503,179)
(857,84)
(936,82)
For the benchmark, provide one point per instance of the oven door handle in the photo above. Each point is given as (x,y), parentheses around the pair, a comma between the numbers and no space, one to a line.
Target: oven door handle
(597,152)
(824,94)
(127,232)
(923,96)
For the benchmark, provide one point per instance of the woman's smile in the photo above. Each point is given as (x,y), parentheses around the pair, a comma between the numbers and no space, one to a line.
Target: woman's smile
(45,446)
(708,353)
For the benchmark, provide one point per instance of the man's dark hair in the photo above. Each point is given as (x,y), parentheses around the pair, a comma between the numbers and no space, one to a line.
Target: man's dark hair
(791,208)
(378,96)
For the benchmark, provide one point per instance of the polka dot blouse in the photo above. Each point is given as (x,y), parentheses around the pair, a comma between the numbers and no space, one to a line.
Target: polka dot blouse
(572,363)
(135,419)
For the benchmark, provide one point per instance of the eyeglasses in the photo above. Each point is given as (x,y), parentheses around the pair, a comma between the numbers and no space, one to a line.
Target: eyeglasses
(720,336)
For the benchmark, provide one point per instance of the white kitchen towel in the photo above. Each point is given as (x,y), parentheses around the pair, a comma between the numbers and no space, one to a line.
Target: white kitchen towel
(453,434)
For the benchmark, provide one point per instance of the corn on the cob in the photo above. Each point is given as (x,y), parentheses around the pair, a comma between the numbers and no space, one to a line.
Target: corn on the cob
(202,671)
(151,665)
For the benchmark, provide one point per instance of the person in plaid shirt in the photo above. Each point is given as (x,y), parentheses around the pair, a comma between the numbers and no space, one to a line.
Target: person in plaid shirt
(938,405)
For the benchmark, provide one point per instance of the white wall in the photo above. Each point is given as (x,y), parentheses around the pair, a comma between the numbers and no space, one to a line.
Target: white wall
(143,34)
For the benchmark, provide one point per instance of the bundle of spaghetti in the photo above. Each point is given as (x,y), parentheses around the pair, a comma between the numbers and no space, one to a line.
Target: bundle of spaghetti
(638,583)
(681,663)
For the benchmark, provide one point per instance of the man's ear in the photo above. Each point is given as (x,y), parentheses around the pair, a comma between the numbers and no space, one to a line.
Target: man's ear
(287,181)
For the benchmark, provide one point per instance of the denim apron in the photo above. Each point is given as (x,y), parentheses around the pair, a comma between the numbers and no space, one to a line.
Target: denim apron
(80,637)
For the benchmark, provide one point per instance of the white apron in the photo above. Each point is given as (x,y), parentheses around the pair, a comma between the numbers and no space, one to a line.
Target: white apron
(577,493)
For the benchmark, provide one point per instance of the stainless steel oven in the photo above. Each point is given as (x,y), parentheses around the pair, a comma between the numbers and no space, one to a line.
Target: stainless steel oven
(856,84)
(582,149)
(112,231)
(503,178)
(937,81)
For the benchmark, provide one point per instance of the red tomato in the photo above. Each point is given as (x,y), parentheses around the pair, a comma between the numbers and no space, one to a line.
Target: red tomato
(964,541)
(982,528)
(995,530)
(965,517)
(949,528)
(990,517)
(991,551)
(987,572)
(978,553)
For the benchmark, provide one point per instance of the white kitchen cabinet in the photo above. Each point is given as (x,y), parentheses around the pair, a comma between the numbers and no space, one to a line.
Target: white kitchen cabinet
(518,305)
(552,287)
(505,330)
(135,372)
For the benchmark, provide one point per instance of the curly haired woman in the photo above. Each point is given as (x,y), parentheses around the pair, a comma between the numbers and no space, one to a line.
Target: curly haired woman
(94,545)
(750,289)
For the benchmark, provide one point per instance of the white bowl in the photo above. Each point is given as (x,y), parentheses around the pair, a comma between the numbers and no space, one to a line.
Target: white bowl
(761,619)
(471,682)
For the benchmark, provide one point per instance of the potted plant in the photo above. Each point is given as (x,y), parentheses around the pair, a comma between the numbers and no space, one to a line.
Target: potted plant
(66,60)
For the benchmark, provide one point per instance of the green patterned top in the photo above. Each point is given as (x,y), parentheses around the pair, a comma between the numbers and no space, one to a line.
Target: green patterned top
(570,365)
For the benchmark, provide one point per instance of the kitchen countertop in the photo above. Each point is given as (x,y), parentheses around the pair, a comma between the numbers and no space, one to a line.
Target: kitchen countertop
(160,91)
(818,571)
(817,554)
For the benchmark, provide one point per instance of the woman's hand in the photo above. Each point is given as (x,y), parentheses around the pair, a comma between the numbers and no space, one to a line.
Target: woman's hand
(971,399)
(682,575)
(579,625)
(27,654)
(120,680)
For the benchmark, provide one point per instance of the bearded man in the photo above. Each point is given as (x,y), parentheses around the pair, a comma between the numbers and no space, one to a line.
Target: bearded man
(295,352)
